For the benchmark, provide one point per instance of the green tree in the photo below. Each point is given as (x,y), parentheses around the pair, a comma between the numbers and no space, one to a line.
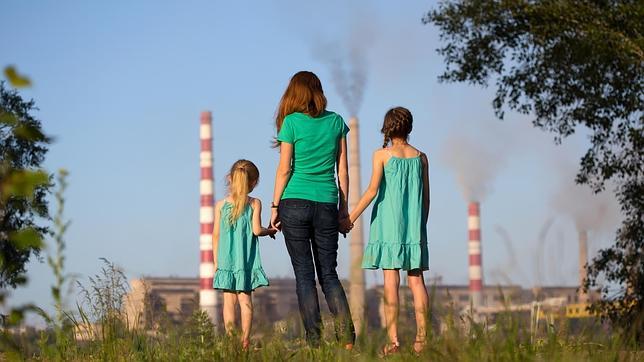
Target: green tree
(569,64)
(23,185)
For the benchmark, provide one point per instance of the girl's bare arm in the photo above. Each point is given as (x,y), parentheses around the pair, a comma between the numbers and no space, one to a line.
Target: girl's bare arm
(372,190)
(426,191)
(258,229)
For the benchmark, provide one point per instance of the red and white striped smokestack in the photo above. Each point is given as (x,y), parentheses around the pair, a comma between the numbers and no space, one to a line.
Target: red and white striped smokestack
(207,298)
(474,252)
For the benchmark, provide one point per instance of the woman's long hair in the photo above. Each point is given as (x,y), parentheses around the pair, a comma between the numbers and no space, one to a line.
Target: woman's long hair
(243,176)
(303,94)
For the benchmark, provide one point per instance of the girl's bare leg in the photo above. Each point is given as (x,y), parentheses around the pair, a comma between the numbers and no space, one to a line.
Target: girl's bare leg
(230,304)
(421,300)
(246,309)
(392,284)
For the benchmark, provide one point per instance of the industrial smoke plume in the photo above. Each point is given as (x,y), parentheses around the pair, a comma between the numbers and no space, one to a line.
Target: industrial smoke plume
(589,211)
(475,164)
(347,62)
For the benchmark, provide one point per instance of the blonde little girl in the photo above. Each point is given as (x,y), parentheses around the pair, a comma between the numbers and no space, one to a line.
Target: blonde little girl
(237,226)
(398,236)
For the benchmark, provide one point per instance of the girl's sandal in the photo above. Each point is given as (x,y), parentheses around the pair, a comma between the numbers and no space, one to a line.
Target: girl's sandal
(389,349)
(419,346)
(246,345)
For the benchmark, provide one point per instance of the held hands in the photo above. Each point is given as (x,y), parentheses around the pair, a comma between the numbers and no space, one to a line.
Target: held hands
(275,220)
(344,223)
(270,231)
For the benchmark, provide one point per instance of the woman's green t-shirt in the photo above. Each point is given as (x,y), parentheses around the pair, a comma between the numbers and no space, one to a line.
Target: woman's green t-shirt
(315,149)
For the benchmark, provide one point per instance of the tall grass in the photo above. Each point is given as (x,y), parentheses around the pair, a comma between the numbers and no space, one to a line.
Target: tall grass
(463,339)
(100,317)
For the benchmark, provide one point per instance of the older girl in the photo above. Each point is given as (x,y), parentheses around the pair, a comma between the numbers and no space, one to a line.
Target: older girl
(398,235)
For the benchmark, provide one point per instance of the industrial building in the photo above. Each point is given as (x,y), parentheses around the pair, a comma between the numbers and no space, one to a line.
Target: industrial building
(153,298)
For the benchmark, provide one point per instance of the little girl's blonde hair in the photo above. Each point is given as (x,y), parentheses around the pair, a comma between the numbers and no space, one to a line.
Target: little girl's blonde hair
(242,178)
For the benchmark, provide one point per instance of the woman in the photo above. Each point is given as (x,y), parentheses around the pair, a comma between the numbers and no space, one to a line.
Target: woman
(308,205)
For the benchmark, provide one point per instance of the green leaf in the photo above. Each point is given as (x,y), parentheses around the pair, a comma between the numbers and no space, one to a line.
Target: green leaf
(15,317)
(27,238)
(15,79)
(22,183)
(7,118)
(29,132)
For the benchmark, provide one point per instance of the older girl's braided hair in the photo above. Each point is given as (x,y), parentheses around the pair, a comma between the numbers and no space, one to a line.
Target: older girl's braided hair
(397,124)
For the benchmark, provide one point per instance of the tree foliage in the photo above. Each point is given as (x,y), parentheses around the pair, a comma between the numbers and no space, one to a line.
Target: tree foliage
(569,64)
(23,185)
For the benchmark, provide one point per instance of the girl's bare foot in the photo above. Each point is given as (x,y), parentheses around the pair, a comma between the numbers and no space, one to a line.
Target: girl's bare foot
(245,345)
(419,345)
(390,348)
(348,346)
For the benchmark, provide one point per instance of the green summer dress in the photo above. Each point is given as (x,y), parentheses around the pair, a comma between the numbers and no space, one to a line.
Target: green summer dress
(398,234)
(238,264)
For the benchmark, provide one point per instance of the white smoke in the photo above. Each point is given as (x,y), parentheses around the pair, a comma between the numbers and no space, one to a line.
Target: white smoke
(347,62)
(598,212)
(475,160)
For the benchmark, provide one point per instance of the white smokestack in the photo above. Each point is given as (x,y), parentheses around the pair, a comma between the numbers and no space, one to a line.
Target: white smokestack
(356,245)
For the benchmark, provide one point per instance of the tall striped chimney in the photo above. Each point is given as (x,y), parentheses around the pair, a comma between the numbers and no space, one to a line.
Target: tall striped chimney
(207,297)
(474,252)
(583,259)
(356,243)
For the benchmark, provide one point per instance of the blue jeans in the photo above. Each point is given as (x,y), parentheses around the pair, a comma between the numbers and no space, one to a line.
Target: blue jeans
(311,232)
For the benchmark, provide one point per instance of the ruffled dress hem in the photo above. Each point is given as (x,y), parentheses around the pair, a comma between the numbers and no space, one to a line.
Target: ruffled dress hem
(395,255)
(240,280)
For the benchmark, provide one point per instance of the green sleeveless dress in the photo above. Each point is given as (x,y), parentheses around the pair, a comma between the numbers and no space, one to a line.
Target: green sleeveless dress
(398,234)
(238,264)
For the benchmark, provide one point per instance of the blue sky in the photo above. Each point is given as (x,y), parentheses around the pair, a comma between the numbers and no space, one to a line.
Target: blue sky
(120,86)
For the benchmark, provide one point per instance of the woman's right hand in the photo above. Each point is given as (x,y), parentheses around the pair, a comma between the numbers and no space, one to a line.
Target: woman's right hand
(344,225)
(275,220)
